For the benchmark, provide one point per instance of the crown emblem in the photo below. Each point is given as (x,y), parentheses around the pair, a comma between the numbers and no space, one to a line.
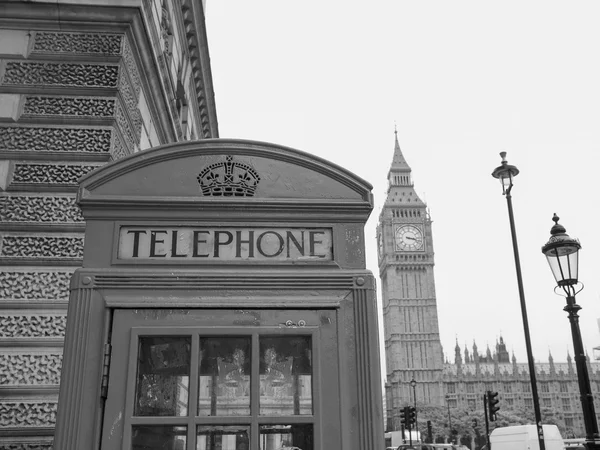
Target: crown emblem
(228,179)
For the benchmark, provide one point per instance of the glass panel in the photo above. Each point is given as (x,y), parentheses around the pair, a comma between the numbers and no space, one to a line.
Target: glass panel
(150,437)
(285,375)
(163,376)
(286,437)
(236,437)
(224,384)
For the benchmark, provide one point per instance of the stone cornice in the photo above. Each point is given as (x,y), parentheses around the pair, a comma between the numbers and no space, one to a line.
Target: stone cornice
(127,18)
(195,28)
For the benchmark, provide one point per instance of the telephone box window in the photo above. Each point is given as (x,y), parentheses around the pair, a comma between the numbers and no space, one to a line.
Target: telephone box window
(296,437)
(158,437)
(163,375)
(224,376)
(285,375)
(223,438)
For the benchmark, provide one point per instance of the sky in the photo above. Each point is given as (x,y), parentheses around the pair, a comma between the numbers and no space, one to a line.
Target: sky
(461,81)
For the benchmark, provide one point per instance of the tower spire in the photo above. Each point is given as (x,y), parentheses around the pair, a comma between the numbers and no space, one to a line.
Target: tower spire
(398,161)
(400,177)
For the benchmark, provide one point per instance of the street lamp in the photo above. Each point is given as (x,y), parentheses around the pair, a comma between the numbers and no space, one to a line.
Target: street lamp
(562,253)
(505,173)
(449,418)
(413,384)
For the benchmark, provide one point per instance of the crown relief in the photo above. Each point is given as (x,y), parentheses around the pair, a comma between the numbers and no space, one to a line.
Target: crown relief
(228,178)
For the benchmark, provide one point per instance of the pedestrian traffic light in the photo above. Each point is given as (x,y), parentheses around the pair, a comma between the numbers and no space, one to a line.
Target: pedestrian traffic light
(492,401)
(404,416)
(412,415)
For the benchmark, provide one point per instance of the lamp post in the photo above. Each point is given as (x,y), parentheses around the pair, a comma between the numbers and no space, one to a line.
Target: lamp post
(449,418)
(562,253)
(505,173)
(413,384)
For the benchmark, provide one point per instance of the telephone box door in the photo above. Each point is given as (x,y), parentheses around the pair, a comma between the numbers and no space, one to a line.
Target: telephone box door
(223,379)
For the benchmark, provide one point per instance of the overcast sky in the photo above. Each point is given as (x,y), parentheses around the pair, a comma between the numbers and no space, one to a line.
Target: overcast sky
(463,80)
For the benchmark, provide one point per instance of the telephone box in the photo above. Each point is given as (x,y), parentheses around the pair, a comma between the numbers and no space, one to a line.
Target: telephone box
(223,303)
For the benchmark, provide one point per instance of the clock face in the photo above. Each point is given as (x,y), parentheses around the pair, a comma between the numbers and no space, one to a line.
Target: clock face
(409,238)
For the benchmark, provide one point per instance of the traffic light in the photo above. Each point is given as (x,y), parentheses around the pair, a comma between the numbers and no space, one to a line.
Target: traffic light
(492,401)
(404,416)
(429,431)
(412,415)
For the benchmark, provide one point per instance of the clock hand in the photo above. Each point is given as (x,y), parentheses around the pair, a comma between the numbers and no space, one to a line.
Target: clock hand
(410,237)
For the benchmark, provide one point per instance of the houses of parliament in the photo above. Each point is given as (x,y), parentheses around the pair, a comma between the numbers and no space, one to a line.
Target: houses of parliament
(411,332)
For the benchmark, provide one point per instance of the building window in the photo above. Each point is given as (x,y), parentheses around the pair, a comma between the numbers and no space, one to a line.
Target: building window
(544,387)
(547,402)
(278,368)
(510,402)
(566,404)
(569,422)
(472,405)
(564,387)
(526,387)
(452,403)
(507,387)
(528,402)
(470,388)
(451,388)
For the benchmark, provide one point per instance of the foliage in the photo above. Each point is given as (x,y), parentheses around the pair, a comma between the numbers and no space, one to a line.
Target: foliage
(463,421)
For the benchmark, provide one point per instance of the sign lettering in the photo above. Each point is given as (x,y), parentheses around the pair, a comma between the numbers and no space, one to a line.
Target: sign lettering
(225,244)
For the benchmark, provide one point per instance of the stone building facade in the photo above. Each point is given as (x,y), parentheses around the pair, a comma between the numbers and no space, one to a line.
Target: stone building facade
(81,84)
(411,333)
(472,374)
(412,342)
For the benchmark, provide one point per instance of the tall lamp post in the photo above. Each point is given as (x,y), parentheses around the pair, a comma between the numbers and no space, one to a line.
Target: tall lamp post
(505,173)
(449,418)
(562,253)
(413,384)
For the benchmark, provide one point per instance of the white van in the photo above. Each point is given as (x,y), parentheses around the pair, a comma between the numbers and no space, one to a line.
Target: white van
(524,437)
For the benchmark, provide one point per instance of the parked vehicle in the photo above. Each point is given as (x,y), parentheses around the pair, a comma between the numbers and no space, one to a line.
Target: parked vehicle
(524,437)
(575,444)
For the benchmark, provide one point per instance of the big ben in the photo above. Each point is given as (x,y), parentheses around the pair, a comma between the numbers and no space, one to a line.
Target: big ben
(406,259)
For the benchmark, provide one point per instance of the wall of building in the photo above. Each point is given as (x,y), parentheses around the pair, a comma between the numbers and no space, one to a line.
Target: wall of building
(81,84)
(558,388)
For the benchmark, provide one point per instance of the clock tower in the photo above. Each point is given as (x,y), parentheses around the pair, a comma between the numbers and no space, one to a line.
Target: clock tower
(406,259)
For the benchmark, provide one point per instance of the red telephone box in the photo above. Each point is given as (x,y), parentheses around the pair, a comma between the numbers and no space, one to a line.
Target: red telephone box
(223,303)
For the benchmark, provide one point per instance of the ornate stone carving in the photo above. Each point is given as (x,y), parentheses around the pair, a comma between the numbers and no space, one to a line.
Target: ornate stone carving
(26,414)
(130,99)
(41,247)
(48,42)
(19,285)
(49,173)
(61,74)
(130,138)
(131,67)
(19,369)
(92,140)
(118,149)
(38,326)
(70,106)
(26,446)
(41,209)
